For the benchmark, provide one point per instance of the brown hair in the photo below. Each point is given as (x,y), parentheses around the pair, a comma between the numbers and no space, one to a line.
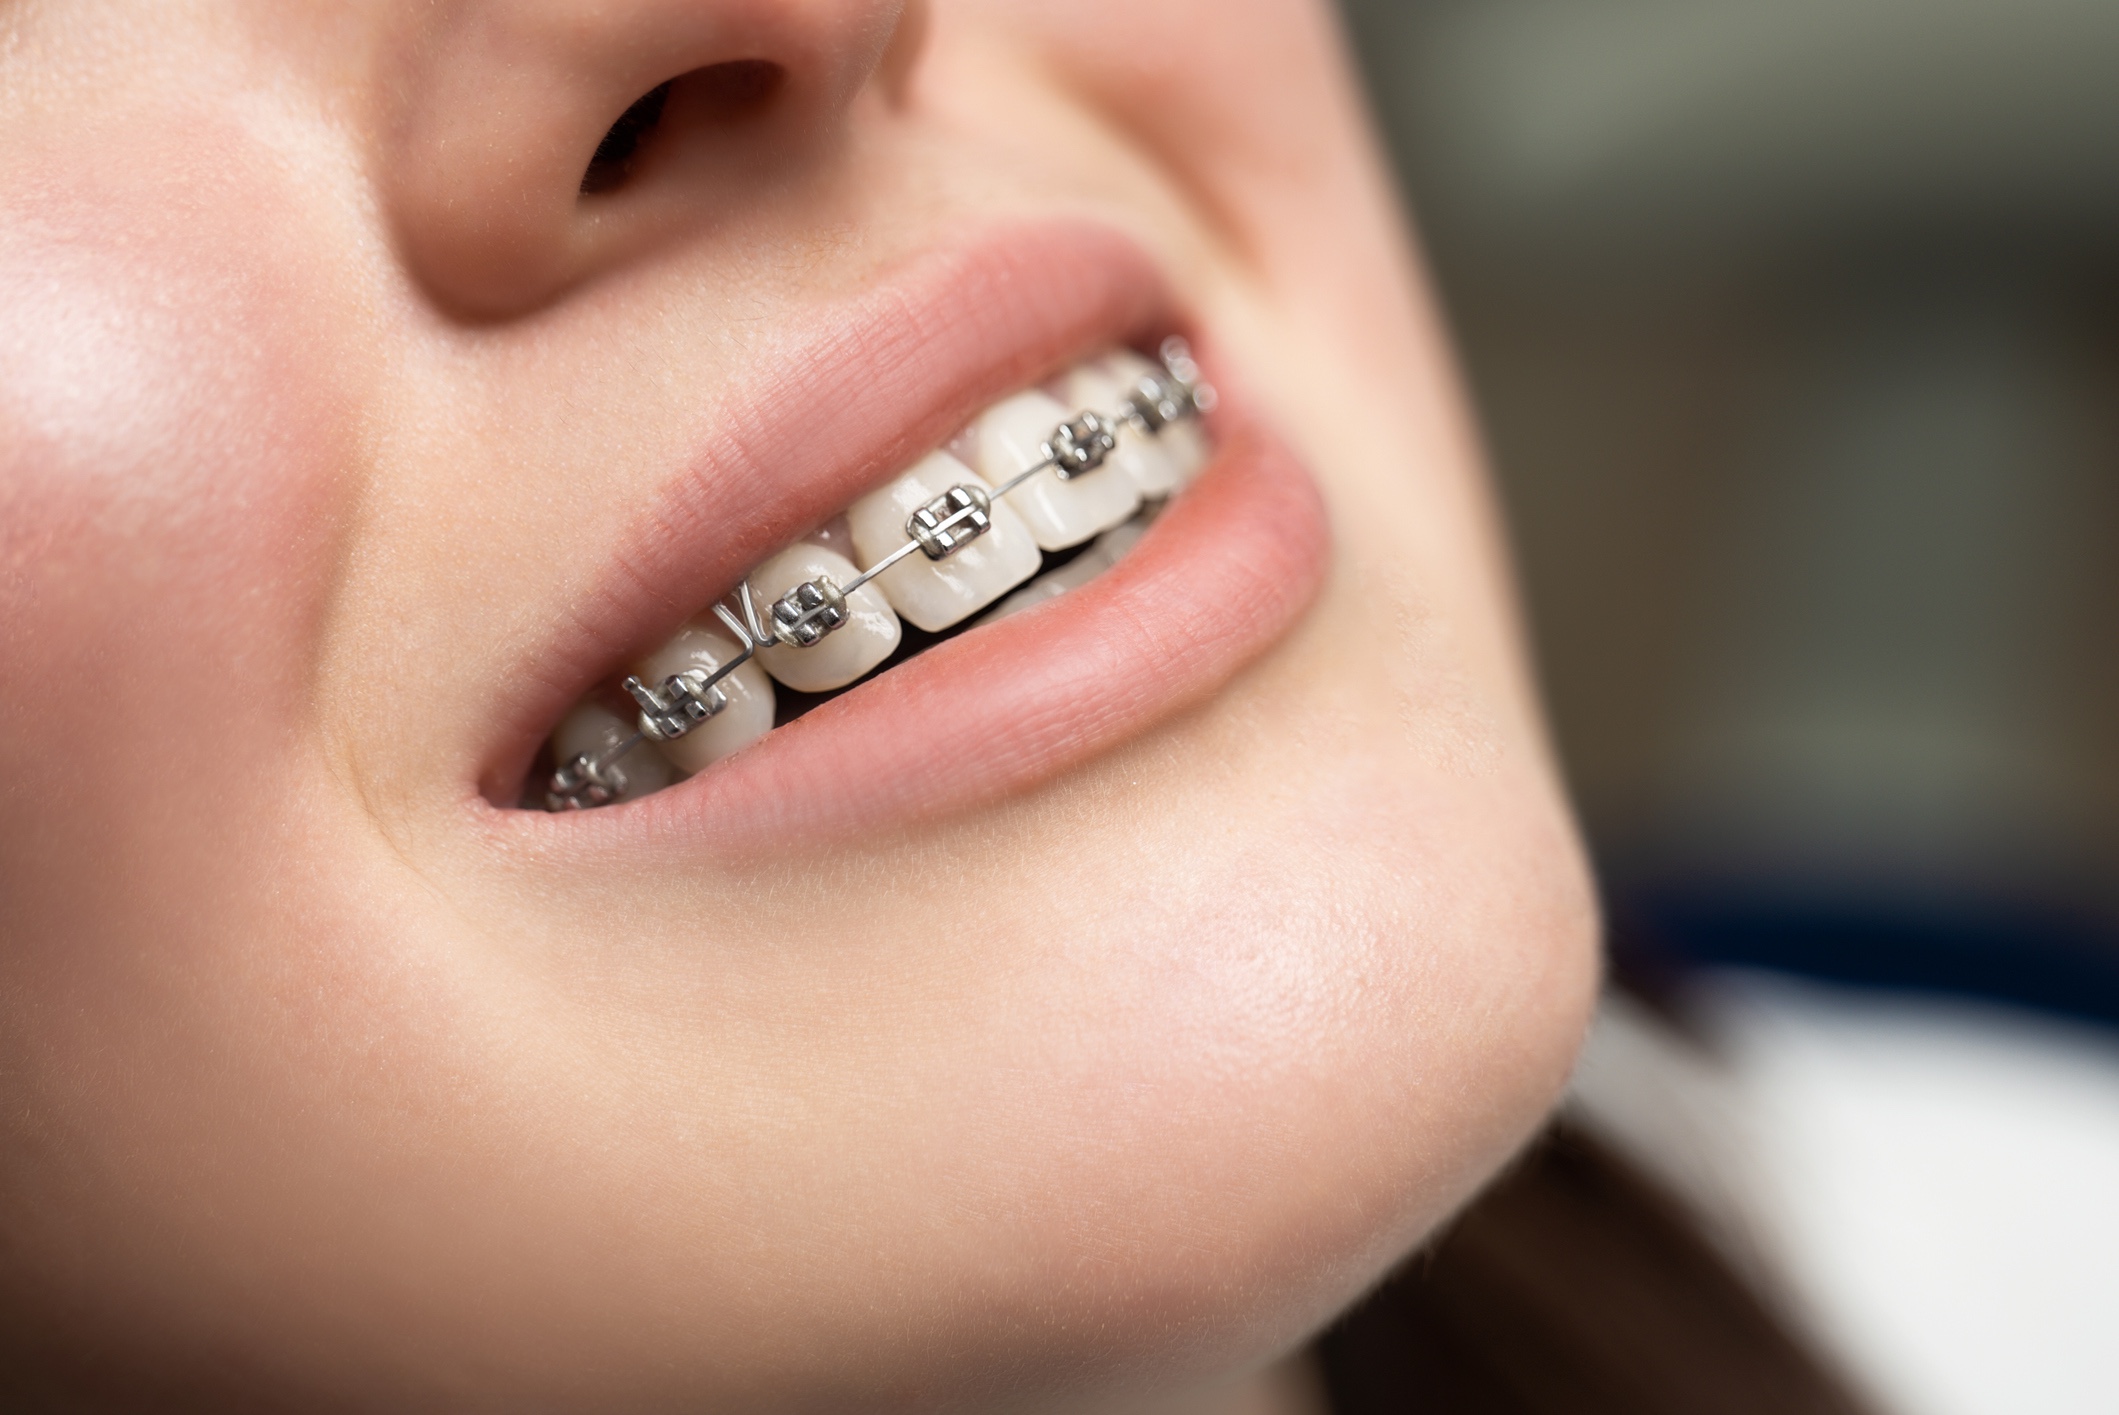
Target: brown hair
(1574,1286)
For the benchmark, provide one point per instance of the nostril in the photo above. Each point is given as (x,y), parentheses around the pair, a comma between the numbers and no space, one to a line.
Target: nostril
(717,96)
(732,91)
(613,161)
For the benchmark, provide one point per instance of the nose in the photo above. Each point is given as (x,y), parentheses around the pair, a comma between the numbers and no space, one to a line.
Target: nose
(536,142)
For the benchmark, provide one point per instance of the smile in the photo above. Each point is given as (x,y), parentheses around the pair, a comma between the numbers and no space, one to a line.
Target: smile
(1046,574)
(1028,480)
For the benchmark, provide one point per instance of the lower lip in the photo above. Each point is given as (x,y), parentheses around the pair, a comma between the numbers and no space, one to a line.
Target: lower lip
(1221,575)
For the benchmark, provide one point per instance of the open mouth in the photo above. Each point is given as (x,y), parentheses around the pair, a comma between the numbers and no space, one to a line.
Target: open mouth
(1084,556)
(1041,493)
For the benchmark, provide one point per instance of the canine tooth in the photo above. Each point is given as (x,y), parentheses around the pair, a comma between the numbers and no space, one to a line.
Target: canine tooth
(749,694)
(1010,436)
(1110,548)
(867,638)
(591,729)
(934,594)
(1102,385)
(1183,444)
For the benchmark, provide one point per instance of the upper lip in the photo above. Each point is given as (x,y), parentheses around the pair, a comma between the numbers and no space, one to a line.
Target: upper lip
(897,369)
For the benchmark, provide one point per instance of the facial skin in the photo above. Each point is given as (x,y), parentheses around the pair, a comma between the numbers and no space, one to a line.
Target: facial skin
(328,405)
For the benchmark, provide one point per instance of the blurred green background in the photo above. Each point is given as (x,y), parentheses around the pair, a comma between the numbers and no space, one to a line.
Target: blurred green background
(1794,328)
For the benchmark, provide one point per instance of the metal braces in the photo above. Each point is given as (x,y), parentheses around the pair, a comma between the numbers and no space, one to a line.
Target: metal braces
(812,610)
(951,521)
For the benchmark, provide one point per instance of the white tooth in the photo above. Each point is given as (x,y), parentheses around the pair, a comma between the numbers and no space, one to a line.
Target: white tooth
(1010,436)
(1050,585)
(866,639)
(1109,549)
(937,593)
(591,728)
(749,714)
(1183,444)
(833,535)
(1114,545)
(1103,386)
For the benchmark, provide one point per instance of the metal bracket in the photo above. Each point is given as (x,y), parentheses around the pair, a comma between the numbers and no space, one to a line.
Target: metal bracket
(951,521)
(1081,445)
(805,614)
(583,783)
(685,700)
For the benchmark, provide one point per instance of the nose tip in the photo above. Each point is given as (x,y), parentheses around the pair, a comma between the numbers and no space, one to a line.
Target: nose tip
(538,141)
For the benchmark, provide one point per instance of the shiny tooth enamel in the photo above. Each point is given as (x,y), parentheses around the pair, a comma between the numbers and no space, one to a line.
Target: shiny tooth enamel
(934,594)
(592,729)
(1105,385)
(748,691)
(1010,436)
(835,535)
(870,634)
(1050,585)
(1109,549)
(1181,445)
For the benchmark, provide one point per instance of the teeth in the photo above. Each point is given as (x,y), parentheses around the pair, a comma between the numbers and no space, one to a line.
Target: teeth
(1109,549)
(749,694)
(1141,459)
(934,594)
(1118,542)
(988,545)
(867,638)
(1010,436)
(835,535)
(1183,444)
(591,729)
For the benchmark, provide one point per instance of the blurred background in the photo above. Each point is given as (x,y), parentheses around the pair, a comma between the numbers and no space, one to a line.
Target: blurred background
(1794,328)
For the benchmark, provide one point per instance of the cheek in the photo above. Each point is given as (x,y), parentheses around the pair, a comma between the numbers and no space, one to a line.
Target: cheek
(171,453)
(176,464)
(174,472)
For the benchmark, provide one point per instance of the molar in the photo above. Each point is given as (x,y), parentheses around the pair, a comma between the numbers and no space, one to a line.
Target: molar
(934,594)
(1010,436)
(867,638)
(749,693)
(592,729)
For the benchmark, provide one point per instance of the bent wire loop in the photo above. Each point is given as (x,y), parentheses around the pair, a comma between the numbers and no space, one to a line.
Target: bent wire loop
(812,610)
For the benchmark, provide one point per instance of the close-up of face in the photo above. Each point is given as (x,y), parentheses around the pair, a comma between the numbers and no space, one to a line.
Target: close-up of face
(500,908)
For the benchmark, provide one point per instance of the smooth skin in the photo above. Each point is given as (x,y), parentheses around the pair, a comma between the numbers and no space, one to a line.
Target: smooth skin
(322,391)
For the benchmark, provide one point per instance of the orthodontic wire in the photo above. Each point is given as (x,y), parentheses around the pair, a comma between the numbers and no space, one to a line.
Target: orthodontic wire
(806,614)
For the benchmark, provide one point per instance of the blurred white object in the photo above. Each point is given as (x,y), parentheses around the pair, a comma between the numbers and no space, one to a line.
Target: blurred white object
(1931,1188)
